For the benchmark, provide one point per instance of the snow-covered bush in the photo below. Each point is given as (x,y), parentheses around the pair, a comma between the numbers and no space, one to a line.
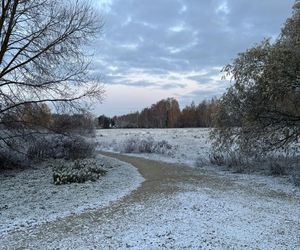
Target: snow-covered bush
(233,160)
(78,171)
(130,145)
(162,147)
(273,164)
(79,147)
(295,172)
(277,167)
(12,151)
(59,146)
(200,162)
(11,156)
(216,159)
(145,145)
(12,159)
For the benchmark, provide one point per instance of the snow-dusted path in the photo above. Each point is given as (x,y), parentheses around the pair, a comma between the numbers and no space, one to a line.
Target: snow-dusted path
(176,208)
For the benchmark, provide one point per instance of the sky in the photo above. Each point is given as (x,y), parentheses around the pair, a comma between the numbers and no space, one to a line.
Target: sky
(149,50)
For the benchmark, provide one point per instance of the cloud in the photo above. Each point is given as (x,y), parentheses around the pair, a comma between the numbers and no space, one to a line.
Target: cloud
(180,45)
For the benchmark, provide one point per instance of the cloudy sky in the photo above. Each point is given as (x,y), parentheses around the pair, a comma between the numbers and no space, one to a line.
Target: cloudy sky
(154,49)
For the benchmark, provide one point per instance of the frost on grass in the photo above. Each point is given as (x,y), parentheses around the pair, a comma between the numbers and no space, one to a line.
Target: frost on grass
(192,147)
(169,145)
(29,197)
(195,218)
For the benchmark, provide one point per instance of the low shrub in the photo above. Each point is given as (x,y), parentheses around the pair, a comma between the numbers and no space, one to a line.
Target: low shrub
(201,162)
(162,147)
(78,171)
(276,165)
(7,162)
(276,168)
(80,124)
(78,148)
(61,147)
(295,166)
(233,160)
(130,145)
(296,177)
(145,145)
(217,159)
(10,159)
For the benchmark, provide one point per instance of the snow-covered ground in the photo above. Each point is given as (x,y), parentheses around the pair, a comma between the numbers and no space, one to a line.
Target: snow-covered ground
(200,218)
(29,197)
(188,144)
(177,208)
(174,207)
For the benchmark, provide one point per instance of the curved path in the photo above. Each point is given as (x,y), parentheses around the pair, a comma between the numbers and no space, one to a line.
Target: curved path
(176,208)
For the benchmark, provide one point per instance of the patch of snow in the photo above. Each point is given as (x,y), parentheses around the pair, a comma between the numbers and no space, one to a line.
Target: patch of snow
(29,197)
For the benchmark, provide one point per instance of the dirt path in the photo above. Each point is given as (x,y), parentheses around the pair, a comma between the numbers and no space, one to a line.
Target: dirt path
(175,208)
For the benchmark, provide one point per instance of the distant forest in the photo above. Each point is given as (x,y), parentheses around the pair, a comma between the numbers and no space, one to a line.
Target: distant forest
(165,114)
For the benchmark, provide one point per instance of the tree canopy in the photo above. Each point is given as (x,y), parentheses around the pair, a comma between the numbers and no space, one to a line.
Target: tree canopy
(261,110)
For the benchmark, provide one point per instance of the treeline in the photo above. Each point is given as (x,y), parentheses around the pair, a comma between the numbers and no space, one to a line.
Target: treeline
(167,114)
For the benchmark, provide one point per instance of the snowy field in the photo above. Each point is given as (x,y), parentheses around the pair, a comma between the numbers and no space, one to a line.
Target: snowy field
(188,144)
(29,197)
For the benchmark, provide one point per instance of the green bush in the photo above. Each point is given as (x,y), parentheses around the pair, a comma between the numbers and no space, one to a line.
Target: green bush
(78,171)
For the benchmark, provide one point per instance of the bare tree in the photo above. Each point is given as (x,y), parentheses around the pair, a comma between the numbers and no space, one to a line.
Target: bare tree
(43,55)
